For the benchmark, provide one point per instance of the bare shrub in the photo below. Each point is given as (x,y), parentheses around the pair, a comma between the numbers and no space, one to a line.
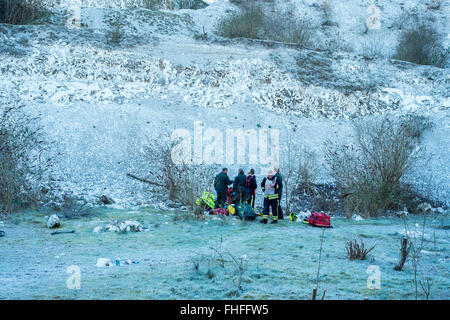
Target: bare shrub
(187,4)
(283,26)
(369,172)
(357,251)
(266,23)
(156,4)
(419,279)
(21,11)
(183,182)
(220,258)
(115,34)
(246,24)
(422,44)
(21,159)
(299,170)
(373,47)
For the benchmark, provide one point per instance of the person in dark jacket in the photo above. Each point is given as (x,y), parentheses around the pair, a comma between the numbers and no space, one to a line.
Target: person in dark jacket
(221,183)
(279,178)
(269,186)
(239,187)
(251,186)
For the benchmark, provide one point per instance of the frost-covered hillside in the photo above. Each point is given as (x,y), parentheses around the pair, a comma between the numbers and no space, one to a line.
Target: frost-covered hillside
(129,72)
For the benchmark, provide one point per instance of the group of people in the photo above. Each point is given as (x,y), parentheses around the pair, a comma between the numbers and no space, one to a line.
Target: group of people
(244,191)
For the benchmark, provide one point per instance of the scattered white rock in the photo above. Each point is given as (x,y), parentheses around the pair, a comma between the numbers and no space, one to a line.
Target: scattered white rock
(104,262)
(439,210)
(121,226)
(357,217)
(53,222)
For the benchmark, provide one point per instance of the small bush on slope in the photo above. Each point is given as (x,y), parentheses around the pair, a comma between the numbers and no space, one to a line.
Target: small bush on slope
(422,44)
(369,172)
(21,163)
(246,24)
(20,11)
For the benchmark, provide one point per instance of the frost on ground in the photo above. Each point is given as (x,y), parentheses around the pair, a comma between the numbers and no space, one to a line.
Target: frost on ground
(190,259)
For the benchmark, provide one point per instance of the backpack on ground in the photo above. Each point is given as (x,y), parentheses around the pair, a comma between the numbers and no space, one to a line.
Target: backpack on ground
(319,219)
(246,212)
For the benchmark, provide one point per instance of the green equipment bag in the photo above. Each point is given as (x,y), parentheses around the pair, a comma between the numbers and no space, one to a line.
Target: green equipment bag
(246,212)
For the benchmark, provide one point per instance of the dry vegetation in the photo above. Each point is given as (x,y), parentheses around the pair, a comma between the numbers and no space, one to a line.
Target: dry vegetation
(369,172)
(182,182)
(21,11)
(263,20)
(21,160)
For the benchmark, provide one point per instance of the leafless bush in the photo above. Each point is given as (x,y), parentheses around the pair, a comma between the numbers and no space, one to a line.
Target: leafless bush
(238,264)
(246,24)
(373,47)
(183,183)
(299,170)
(157,4)
(422,44)
(283,26)
(21,11)
(188,4)
(21,159)
(357,251)
(369,172)
(239,267)
(257,22)
(419,280)
(115,34)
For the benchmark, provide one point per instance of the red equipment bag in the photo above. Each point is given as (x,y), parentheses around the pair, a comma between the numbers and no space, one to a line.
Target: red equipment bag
(319,219)
(220,211)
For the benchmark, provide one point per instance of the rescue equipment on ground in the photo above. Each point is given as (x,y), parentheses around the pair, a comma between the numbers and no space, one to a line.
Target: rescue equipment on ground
(220,211)
(207,200)
(293,216)
(319,219)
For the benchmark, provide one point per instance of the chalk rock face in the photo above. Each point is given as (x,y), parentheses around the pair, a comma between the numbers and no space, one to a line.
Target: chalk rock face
(53,222)
(121,226)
